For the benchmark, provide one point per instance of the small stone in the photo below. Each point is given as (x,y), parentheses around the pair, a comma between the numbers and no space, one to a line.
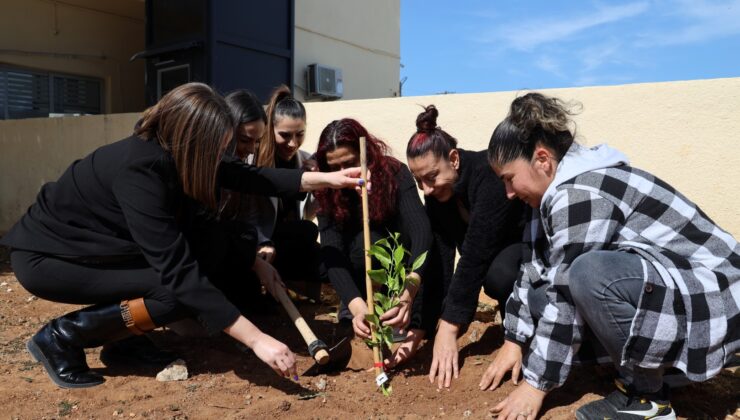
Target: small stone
(249,396)
(132,414)
(117,413)
(321,384)
(467,413)
(3,284)
(284,405)
(31,299)
(474,336)
(9,290)
(175,371)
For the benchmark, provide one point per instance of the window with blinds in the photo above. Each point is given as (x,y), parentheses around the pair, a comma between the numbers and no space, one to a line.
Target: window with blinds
(30,94)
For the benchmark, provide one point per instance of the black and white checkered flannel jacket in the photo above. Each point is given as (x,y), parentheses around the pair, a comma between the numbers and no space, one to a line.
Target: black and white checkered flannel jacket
(690,317)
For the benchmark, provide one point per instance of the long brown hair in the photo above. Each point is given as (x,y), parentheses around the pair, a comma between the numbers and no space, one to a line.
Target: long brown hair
(192,122)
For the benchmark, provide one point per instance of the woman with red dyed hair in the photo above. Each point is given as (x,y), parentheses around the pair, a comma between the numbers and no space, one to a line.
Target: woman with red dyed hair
(469,212)
(394,206)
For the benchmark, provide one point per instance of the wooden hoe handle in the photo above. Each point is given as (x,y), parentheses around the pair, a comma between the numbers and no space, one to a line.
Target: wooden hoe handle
(316,347)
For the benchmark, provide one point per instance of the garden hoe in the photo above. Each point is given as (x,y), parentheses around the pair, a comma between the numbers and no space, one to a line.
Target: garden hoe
(327,359)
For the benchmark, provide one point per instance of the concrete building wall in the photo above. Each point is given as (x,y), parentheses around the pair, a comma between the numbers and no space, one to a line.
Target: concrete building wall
(684,132)
(79,37)
(336,33)
(96,38)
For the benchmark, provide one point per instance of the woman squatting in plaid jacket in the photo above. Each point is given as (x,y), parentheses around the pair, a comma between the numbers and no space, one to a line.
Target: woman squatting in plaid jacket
(615,253)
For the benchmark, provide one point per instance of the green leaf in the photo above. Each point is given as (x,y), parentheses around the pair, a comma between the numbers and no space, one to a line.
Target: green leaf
(379,297)
(378,310)
(383,242)
(378,276)
(392,284)
(386,389)
(398,254)
(419,261)
(381,255)
(388,340)
(372,318)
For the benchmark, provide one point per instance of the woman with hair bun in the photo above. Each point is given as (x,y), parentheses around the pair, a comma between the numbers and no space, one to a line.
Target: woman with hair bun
(615,249)
(469,212)
(394,207)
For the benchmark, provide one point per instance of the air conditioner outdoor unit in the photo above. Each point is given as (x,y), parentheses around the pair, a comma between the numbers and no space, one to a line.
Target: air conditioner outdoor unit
(324,82)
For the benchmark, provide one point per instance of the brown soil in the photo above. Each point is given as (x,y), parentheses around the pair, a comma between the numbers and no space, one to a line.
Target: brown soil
(229,382)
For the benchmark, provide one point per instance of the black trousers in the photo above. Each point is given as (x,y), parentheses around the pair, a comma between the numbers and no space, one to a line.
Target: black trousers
(502,274)
(497,284)
(95,282)
(225,253)
(297,250)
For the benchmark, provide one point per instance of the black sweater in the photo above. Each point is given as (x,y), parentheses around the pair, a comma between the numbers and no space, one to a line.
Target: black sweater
(409,217)
(124,199)
(494,222)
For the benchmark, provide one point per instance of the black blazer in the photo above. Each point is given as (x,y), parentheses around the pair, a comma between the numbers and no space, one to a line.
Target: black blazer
(125,198)
(494,223)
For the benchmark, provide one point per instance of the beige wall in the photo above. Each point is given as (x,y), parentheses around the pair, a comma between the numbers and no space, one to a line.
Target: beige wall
(79,37)
(684,132)
(335,33)
(687,133)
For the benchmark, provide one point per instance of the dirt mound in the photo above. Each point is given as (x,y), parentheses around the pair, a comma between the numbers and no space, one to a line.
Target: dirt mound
(228,382)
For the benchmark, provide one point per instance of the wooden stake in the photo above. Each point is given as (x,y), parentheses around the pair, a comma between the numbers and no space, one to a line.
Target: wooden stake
(368,259)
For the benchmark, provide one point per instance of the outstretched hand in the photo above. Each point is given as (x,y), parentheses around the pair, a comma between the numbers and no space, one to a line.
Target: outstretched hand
(406,349)
(523,403)
(346,178)
(445,355)
(359,324)
(508,358)
(276,355)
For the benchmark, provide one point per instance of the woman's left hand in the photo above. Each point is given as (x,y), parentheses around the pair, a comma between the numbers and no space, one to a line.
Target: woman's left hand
(522,404)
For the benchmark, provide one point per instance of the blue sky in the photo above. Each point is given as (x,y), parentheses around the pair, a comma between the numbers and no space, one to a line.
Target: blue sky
(469,46)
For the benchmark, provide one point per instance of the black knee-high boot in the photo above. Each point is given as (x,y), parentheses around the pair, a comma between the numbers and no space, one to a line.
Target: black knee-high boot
(60,344)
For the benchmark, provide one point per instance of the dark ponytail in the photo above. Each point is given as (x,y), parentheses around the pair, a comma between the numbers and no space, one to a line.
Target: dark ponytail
(282,104)
(429,137)
(534,119)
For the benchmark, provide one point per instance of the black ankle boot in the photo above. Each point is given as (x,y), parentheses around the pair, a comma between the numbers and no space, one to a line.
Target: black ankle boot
(60,344)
